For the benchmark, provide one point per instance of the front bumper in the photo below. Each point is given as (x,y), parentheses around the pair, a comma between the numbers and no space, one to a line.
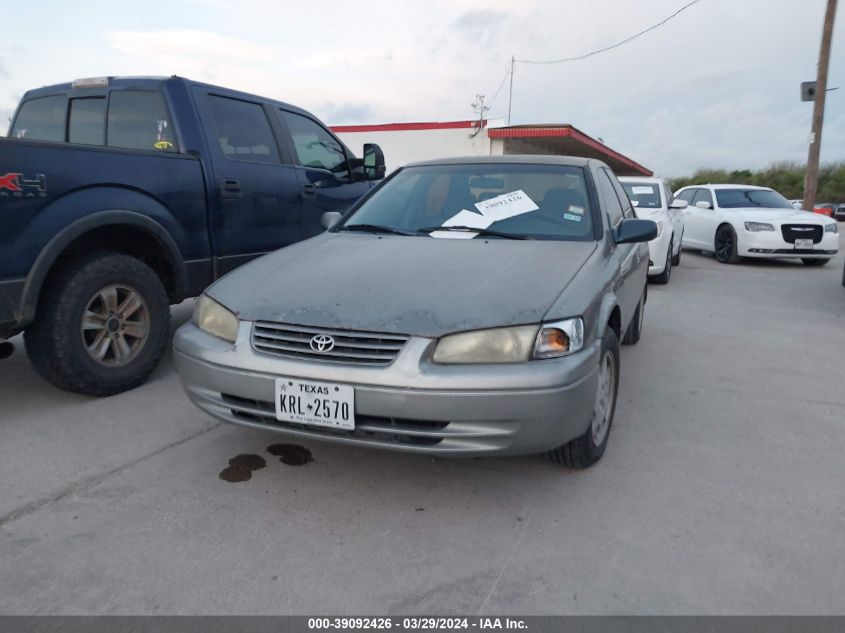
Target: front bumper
(772,245)
(412,405)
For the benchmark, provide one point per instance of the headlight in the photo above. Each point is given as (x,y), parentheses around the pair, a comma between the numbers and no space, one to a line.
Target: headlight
(213,318)
(499,345)
(830,228)
(758,226)
(512,344)
(560,338)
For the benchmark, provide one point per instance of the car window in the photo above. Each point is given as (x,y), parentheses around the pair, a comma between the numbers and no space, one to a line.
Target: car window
(41,119)
(243,130)
(766,198)
(540,201)
(313,144)
(139,120)
(703,194)
(644,195)
(87,121)
(612,204)
(670,197)
(687,195)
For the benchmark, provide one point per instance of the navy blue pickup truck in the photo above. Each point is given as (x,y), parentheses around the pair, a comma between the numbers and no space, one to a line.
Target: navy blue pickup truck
(121,196)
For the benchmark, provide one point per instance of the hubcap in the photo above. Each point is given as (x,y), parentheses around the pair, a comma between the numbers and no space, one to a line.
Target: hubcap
(605,395)
(115,325)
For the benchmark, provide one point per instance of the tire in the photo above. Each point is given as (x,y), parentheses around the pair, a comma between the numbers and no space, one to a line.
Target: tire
(104,353)
(663,278)
(635,327)
(586,450)
(676,259)
(725,245)
(815,262)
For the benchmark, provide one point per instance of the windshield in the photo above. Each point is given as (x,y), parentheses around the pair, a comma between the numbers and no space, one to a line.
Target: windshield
(644,195)
(764,198)
(536,201)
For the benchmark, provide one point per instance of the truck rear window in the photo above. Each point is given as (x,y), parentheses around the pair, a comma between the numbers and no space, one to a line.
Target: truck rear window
(41,119)
(87,123)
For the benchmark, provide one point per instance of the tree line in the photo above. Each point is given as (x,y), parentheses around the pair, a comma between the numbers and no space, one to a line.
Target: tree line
(785,177)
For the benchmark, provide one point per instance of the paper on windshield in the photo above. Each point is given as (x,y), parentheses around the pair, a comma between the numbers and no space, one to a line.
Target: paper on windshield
(506,205)
(642,189)
(463,218)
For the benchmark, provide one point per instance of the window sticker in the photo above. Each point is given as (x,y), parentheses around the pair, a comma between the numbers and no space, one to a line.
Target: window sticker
(572,217)
(643,189)
(463,218)
(163,145)
(574,208)
(506,205)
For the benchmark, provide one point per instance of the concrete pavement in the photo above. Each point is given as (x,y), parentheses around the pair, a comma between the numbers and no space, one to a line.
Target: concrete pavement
(721,491)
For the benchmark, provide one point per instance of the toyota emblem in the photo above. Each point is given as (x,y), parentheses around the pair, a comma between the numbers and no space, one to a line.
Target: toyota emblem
(322,343)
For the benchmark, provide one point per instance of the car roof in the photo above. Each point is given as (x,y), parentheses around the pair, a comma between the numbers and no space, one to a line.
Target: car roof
(727,186)
(510,159)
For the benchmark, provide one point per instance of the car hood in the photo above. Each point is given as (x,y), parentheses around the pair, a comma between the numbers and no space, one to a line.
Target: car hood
(757,214)
(405,285)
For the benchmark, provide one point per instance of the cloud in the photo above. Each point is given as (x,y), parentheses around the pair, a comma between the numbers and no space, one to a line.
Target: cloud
(339,113)
(178,45)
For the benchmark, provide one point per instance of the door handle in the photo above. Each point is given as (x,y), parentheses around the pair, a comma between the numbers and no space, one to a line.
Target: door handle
(230,188)
(309,190)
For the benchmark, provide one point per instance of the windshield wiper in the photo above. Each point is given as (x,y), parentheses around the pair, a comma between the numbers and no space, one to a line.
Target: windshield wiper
(470,229)
(375,228)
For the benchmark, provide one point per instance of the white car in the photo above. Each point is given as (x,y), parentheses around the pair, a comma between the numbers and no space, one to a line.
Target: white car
(654,201)
(735,221)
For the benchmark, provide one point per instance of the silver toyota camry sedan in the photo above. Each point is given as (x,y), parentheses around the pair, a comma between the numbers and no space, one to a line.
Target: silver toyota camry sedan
(463,307)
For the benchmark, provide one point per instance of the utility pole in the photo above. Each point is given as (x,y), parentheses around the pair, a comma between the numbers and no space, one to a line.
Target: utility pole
(510,94)
(811,178)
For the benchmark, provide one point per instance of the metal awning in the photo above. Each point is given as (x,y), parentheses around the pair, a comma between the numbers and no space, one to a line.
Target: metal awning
(563,140)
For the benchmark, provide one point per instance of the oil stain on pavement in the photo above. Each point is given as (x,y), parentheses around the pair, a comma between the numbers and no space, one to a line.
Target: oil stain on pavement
(291,454)
(241,467)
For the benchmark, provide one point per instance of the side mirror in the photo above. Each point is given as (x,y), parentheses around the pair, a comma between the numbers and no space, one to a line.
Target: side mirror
(632,230)
(374,168)
(330,219)
(677,203)
(703,204)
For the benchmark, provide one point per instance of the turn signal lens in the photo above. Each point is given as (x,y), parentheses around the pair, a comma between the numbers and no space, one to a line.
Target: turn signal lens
(560,338)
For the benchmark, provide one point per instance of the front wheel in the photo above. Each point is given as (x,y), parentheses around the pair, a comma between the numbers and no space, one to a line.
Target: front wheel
(663,278)
(102,325)
(587,449)
(725,245)
(808,261)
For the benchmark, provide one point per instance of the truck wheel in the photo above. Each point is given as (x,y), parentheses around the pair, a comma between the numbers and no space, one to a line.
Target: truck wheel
(586,450)
(102,325)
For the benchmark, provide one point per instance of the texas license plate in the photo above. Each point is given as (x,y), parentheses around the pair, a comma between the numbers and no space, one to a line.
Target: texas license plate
(317,403)
(804,244)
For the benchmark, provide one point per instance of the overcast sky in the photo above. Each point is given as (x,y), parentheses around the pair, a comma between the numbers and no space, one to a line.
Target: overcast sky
(718,86)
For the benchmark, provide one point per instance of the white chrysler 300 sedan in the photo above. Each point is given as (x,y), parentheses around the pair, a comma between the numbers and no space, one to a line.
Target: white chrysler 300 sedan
(735,221)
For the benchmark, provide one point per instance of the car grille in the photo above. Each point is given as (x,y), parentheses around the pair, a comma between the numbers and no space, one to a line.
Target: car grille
(791,232)
(372,428)
(294,341)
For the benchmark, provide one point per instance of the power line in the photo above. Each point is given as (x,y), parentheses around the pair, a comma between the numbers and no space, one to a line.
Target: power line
(612,46)
(501,84)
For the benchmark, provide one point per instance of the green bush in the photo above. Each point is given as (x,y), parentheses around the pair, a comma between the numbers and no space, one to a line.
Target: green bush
(785,177)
